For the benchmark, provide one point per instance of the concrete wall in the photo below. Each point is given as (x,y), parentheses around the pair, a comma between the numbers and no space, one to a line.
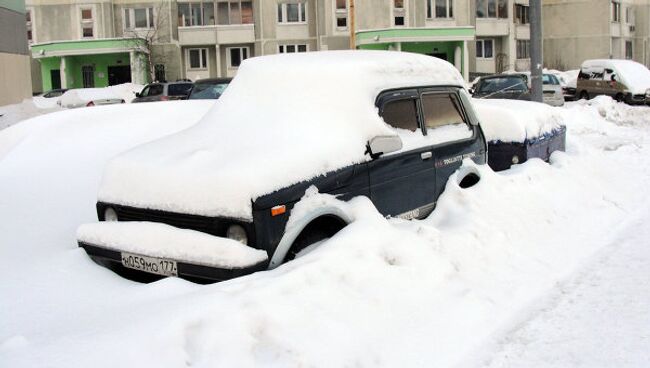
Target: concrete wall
(15,68)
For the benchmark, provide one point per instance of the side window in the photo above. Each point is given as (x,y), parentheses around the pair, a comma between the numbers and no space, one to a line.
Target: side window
(443,118)
(401,114)
(145,92)
(155,90)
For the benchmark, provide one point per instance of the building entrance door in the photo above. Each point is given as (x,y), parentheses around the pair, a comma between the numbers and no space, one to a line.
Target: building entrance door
(88,74)
(119,74)
(440,55)
(55,78)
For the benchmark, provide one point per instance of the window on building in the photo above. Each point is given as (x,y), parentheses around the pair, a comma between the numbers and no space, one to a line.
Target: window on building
(521,14)
(492,9)
(629,15)
(288,49)
(523,49)
(196,14)
(440,9)
(138,18)
(629,54)
(159,73)
(87,23)
(401,114)
(485,49)
(341,14)
(399,13)
(28,20)
(234,12)
(88,76)
(295,12)
(616,11)
(236,55)
(198,58)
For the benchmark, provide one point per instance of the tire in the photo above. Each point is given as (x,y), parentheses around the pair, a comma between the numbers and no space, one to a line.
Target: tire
(619,97)
(320,229)
(584,95)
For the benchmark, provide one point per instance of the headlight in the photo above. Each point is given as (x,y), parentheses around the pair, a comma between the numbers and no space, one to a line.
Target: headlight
(110,214)
(515,159)
(238,233)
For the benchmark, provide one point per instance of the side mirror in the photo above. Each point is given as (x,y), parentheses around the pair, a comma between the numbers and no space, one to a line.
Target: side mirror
(137,94)
(471,91)
(613,78)
(384,144)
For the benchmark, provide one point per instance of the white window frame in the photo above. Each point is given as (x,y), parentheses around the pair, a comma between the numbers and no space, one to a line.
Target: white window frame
(616,11)
(525,12)
(340,14)
(432,5)
(482,42)
(205,23)
(517,49)
(229,62)
(395,12)
(629,42)
(130,13)
(230,23)
(204,63)
(31,25)
(282,49)
(82,22)
(302,12)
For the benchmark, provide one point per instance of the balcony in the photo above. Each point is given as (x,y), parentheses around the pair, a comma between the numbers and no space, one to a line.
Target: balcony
(236,33)
(522,31)
(492,27)
(198,35)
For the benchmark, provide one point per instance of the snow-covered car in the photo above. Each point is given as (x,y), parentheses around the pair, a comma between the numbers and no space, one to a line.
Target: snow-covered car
(86,97)
(517,131)
(516,86)
(218,201)
(623,80)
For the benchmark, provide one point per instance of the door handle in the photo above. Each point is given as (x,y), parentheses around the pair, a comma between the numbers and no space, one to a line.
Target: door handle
(426,155)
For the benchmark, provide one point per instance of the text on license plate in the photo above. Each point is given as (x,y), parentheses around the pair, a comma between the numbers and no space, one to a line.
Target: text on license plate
(155,265)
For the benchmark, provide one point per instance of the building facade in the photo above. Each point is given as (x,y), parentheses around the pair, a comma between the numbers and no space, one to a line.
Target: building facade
(577,30)
(15,82)
(115,41)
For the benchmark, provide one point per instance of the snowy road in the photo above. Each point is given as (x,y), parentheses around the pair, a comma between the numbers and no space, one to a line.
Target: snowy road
(599,318)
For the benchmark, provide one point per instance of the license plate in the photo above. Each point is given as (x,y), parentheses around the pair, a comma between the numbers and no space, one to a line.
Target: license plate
(159,266)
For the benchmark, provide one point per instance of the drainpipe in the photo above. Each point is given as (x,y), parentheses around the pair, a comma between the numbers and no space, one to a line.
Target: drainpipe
(353,36)
(317,27)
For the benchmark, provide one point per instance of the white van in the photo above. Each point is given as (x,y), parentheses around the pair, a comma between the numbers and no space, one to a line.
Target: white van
(624,80)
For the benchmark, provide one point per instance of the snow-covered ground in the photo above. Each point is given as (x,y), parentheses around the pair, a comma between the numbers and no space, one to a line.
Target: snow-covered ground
(543,265)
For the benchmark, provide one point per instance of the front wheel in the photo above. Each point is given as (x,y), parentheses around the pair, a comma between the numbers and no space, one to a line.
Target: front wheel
(317,231)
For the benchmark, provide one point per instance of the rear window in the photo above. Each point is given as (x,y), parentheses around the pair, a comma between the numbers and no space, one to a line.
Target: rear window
(549,79)
(500,84)
(179,89)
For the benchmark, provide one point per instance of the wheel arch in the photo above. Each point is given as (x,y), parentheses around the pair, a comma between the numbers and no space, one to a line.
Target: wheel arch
(295,227)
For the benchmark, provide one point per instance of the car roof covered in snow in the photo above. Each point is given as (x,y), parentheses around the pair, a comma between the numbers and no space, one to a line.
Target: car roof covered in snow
(283,119)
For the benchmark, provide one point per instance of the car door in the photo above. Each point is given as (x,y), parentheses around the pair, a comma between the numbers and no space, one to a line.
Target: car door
(403,184)
(447,126)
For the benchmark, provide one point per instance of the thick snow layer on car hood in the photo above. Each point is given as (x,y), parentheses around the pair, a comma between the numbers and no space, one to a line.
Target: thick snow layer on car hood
(635,76)
(516,121)
(283,119)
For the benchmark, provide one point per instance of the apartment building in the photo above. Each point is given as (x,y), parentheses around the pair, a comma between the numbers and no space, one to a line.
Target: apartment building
(576,30)
(115,41)
(15,82)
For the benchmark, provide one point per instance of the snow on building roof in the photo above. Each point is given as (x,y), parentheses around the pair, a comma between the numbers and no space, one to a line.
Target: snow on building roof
(283,119)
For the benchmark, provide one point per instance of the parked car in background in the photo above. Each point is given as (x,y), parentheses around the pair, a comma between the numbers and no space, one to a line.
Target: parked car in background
(209,89)
(54,93)
(223,200)
(623,80)
(164,92)
(552,91)
(509,86)
(87,97)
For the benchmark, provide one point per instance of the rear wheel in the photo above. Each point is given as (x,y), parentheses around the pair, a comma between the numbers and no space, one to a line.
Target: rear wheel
(318,230)
(584,95)
(619,97)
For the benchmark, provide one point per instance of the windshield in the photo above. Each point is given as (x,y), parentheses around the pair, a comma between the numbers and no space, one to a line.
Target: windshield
(506,84)
(549,79)
(179,89)
(207,91)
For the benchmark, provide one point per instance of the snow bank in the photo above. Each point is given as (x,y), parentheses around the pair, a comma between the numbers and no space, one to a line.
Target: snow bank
(284,119)
(515,121)
(381,293)
(168,242)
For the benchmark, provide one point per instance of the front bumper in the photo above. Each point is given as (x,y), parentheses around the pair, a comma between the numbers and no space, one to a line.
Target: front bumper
(112,260)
